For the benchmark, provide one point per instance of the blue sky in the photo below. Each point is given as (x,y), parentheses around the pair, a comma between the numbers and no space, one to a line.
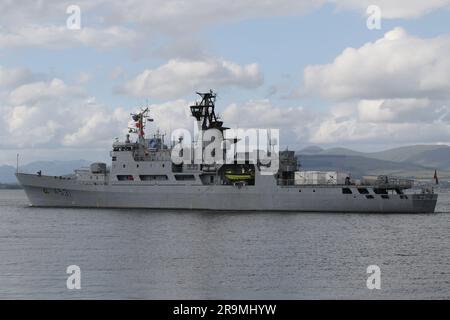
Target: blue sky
(65,94)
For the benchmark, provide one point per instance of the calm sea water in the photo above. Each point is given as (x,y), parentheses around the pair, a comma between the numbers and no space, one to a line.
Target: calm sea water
(149,254)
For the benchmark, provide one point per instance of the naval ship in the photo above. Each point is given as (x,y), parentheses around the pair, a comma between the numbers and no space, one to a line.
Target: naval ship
(143,174)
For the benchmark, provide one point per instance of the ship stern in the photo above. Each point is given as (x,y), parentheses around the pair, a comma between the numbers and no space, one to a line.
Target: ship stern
(424,203)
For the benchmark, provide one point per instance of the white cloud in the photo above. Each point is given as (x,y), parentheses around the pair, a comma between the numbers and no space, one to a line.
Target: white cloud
(95,125)
(351,131)
(396,121)
(11,77)
(391,9)
(262,114)
(53,114)
(187,16)
(178,77)
(296,124)
(56,115)
(391,91)
(42,23)
(170,116)
(397,110)
(15,13)
(38,92)
(394,89)
(396,66)
(61,37)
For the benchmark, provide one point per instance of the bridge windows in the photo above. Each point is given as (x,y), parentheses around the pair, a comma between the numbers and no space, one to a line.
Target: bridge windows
(384,196)
(369,196)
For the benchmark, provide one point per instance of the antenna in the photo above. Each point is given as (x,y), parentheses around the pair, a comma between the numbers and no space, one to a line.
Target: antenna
(17,163)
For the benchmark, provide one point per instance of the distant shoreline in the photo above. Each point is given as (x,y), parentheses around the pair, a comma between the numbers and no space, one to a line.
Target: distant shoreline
(10,186)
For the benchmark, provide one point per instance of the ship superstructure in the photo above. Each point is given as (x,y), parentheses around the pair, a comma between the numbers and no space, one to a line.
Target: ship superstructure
(143,174)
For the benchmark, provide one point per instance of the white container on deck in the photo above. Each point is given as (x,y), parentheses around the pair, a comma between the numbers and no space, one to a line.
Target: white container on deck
(320,177)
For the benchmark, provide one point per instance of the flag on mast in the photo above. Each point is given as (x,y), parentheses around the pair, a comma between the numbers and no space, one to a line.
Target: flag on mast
(436,177)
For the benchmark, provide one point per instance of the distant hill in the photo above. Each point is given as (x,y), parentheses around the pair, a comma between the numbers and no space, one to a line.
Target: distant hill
(421,156)
(7,174)
(311,150)
(359,166)
(53,168)
(438,158)
(343,151)
(411,153)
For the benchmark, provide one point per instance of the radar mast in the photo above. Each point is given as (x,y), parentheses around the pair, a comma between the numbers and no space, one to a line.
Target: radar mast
(140,119)
(204,111)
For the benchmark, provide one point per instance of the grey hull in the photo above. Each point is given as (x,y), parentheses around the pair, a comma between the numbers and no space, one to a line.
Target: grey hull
(56,192)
